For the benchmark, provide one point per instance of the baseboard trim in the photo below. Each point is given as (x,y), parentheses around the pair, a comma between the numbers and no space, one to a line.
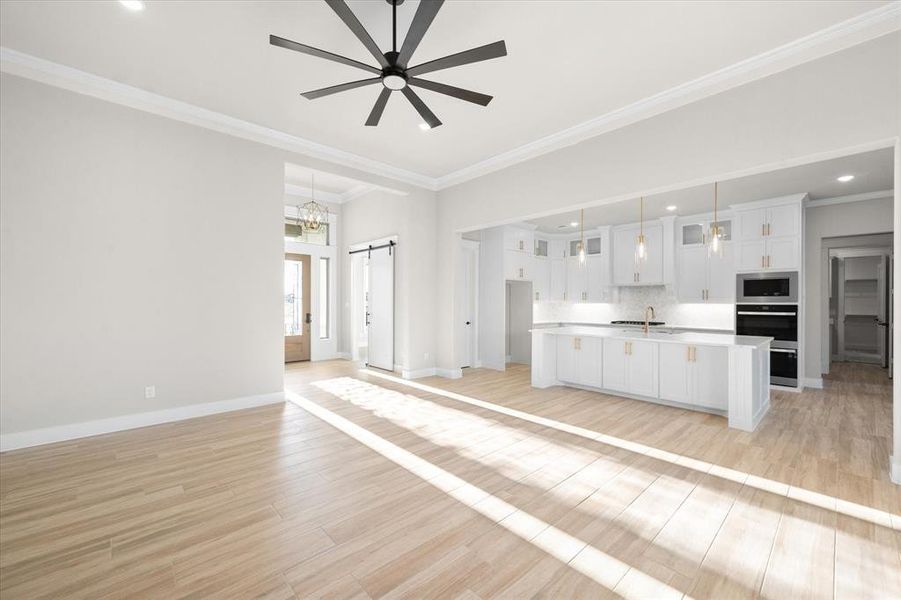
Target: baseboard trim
(343,355)
(813,382)
(449,373)
(62,433)
(416,374)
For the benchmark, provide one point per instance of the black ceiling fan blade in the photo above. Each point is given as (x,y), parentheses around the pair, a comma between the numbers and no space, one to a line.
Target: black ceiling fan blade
(334,89)
(377,110)
(486,52)
(423,18)
(421,108)
(350,19)
(449,90)
(304,49)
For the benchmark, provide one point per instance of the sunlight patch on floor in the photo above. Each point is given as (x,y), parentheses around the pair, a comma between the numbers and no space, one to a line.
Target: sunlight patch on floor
(599,566)
(851,509)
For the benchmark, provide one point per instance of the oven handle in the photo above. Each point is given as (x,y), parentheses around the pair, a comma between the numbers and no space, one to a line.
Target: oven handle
(783,350)
(774,314)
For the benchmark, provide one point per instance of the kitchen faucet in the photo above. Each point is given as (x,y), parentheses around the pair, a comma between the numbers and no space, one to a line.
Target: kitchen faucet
(647,319)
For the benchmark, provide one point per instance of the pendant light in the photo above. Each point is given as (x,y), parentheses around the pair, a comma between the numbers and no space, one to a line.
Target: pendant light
(582,237)
(641,249)
(716,243)
(312,215)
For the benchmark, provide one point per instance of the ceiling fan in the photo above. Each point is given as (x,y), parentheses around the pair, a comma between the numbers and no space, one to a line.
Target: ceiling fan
(393,72)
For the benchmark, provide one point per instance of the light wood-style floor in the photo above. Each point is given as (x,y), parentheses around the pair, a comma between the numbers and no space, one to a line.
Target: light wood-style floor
(480,487)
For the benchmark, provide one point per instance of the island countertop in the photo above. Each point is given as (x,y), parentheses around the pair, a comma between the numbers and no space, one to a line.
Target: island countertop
(685,337)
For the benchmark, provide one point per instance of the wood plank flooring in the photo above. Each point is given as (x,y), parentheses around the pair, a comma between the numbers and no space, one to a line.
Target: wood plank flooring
(369,486)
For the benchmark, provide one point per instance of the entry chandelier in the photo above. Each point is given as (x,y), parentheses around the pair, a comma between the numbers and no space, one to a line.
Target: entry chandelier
(312,215)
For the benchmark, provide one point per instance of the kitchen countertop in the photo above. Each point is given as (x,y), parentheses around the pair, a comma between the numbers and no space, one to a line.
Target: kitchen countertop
(546,324)
(685,337)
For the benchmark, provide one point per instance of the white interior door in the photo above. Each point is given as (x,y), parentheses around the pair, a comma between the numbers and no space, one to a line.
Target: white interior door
(882,320)
(470,291)
(381,309)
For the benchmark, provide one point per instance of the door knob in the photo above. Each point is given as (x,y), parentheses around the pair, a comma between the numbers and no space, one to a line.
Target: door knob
(468,323)
(309,319)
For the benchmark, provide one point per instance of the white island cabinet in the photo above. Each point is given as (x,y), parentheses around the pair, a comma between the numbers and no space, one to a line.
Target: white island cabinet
(717,373)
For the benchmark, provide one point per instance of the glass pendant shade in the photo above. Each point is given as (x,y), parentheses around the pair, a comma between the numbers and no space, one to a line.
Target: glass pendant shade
(582,237)
(715,244)
(641,247)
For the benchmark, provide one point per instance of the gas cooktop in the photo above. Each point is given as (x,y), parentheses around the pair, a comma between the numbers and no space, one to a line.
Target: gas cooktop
(658,323)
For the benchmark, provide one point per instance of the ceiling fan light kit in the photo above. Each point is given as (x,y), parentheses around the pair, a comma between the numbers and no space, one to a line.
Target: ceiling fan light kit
(393,72)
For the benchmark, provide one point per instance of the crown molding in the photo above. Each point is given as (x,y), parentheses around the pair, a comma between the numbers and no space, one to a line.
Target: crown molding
(292,189)
(82,82)
(859,29)
(849,198)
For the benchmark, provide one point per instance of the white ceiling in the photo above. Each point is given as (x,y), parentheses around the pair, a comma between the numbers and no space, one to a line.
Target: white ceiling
(568,61)
(873,172)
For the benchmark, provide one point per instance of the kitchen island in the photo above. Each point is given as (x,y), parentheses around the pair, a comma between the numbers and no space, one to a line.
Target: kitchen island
(711,372)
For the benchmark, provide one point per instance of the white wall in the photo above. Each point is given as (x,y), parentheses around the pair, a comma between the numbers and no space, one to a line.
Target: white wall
(821,223)
(411,218)
(799,115)
(135,250)
(492,300)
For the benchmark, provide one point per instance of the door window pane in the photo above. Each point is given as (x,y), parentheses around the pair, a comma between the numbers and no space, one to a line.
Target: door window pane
(323,298)
(293,297)
(295,233)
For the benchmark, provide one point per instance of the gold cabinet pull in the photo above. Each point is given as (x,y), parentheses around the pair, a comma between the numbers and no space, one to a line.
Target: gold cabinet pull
(688,353)
(762,262)
(762,229)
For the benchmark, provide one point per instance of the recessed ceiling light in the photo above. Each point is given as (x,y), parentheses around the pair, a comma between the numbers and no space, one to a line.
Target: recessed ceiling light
(671,207)
(134,5)
(574,224)
(424,126)
(845,178)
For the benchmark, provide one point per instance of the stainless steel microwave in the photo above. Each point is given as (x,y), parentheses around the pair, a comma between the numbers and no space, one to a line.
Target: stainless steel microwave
(766,287)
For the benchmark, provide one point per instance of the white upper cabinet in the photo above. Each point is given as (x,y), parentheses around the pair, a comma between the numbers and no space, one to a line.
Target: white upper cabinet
(627,270)
(519,239)
(692,283)
(541,279)
(517,265)
(783,221)
(704,276)
(557,290)
(721,275)
(770,235)
(576,280)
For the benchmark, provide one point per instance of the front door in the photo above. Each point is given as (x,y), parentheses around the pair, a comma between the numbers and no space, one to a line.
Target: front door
(297,307)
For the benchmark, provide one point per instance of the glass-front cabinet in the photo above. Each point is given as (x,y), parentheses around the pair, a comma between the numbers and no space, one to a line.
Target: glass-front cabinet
(695,234)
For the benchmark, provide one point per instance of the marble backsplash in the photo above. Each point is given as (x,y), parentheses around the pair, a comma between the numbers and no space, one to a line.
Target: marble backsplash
(631,306)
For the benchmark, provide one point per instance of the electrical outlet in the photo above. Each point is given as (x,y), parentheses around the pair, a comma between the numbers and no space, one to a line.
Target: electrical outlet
(150,392)
(425,356)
